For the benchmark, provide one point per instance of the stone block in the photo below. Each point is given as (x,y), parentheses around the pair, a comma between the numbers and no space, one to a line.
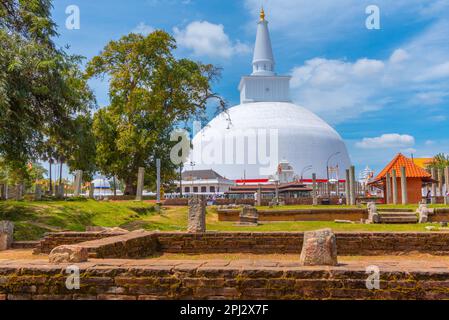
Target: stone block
(373,215)
(6,234)
(68,253)
(319,248)
(249,215)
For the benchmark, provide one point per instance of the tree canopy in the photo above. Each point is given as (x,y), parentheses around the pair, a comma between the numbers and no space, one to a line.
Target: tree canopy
(43,94)
(150,93)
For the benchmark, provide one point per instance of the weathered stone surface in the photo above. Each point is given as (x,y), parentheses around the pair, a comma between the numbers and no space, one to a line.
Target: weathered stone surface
(423,212)
(78,183)
(249,215)
(71,253)
(6,234)
(319,248)
(197,214)
(38,192)
(373,215)
(131,279)
(140,183)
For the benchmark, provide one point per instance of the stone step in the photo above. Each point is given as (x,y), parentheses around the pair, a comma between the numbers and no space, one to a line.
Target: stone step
(380,210)
(397,214)
(399,217)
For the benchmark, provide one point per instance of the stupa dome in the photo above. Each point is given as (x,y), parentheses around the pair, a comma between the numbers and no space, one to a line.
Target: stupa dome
(292,132)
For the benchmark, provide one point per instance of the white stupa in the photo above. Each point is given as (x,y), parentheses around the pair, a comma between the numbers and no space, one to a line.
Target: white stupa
(302,137)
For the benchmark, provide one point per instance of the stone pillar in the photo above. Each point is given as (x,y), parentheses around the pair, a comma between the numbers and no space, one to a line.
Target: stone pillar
(394,180)
(60,191)
(440,182)
(404,186)
(446,178)
(347,192)
(19,192)
(388,188)
(78,182)
(259,196)
(373,215)
(92,191)
(140,182)
(249,216)
(352,186)
(197,214)
(6,234)
(434,185)
(314,190)
(37,192)
(158,181)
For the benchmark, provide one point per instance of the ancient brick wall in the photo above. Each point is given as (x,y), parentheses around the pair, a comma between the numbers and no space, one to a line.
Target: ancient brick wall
(54,239)
(215,281)
(298,214)
(348,243)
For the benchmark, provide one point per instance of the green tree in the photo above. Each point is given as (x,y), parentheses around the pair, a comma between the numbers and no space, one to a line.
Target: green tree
(150,92)
(42,89)
(440,161)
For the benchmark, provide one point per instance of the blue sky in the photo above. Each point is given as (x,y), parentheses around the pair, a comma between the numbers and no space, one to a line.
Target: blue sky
(385,91)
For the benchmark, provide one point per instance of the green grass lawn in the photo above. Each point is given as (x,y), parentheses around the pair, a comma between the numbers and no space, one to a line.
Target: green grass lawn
(33,219)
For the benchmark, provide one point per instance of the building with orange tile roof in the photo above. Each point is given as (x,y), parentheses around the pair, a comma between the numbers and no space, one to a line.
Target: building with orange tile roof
(423,162)
(417,177)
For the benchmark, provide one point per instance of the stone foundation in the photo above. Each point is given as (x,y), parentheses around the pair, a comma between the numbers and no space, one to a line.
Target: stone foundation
(126,280)
(348,243)
(298,215)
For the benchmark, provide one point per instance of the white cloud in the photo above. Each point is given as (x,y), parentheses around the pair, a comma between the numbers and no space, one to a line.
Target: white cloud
(143,29)
(398,56)
(409,150)
(388,140)
(333,20)
(340,90)
(208,39)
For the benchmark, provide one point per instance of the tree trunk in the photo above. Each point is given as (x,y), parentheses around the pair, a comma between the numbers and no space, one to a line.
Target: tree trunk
(130,188)
(60,173)
(115,186)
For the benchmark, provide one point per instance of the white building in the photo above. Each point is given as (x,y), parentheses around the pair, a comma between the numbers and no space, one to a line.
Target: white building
(203,182)
(294,133)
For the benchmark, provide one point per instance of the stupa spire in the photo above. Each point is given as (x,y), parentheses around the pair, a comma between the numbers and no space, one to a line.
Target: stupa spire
(263,60)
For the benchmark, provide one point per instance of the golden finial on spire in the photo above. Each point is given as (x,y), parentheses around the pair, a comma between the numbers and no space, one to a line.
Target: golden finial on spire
(262,15)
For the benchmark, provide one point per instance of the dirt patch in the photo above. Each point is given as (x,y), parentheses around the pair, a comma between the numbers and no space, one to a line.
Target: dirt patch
(20,254)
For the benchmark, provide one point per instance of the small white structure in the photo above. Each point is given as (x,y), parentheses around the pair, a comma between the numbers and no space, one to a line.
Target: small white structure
(284,173)
(203,182)
(102,188)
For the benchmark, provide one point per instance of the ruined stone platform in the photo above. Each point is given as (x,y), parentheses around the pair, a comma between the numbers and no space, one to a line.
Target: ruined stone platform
(408,277)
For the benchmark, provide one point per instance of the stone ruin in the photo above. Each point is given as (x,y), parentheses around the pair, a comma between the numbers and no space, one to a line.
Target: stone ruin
(6,234)
(373,215)
(319,248)
(197,214)
(249,216)
(68,253)
(423,213)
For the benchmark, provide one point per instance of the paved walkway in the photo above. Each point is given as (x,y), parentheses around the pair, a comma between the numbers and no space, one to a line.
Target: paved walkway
(408,263)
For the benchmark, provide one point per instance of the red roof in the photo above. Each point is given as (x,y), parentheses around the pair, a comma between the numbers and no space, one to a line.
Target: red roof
(411,169)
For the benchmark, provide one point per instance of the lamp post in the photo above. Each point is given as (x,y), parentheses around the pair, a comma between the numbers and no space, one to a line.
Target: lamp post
(192,164)
(327,170)
(180,180)
(304,170)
